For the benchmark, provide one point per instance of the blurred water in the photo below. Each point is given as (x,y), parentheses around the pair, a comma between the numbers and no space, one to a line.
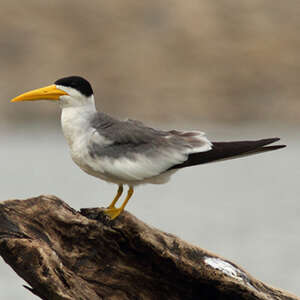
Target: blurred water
(246,210)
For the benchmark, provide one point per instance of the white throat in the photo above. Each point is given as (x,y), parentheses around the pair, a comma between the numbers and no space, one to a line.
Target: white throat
(75,121)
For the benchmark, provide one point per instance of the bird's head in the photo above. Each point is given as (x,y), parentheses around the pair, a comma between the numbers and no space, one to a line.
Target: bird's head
(69,91)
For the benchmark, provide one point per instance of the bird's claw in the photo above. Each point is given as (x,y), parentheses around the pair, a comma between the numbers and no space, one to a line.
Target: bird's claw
(112,212)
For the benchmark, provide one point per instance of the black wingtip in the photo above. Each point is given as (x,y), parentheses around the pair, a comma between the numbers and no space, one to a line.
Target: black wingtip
(273,140)
(274,147)
(230,150)
(269,141)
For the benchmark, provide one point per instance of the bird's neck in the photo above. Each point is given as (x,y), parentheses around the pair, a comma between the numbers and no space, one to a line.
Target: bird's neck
(75,122)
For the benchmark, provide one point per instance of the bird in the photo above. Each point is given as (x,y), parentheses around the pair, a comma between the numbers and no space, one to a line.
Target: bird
(127,152)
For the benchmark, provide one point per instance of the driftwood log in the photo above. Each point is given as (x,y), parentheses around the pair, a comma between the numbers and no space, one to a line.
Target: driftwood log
(68,254)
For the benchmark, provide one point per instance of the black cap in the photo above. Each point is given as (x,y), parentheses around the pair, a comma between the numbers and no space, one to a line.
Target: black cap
(78,83)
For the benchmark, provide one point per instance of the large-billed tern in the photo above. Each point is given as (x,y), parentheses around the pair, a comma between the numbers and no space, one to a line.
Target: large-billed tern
(128,152)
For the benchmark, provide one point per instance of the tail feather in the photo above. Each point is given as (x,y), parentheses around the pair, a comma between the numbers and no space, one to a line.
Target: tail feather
(229,150)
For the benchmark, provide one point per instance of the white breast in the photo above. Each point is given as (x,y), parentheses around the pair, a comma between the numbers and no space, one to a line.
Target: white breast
(76,129)
(78,133)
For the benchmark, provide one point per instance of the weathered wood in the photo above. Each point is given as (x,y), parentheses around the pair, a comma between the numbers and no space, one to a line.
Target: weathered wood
(65,254)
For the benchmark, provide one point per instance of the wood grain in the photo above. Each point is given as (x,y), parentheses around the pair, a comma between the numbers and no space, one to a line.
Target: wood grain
(67,254)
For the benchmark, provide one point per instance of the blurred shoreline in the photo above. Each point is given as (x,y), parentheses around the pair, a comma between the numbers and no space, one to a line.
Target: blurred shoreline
(213,61)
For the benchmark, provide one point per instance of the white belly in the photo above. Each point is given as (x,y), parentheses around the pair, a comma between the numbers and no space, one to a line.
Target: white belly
(97,168)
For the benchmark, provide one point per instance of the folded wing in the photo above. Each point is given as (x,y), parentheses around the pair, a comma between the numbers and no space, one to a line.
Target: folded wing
(129,150)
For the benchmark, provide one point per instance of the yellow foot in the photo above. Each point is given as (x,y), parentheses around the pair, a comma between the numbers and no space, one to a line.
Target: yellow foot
(112,212)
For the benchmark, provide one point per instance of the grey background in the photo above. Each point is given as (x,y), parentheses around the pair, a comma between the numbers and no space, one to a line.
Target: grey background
(228,68)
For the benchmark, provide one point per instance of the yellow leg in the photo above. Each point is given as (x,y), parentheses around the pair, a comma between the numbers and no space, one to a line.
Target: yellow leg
(129,194)
(119,193)
(115,212)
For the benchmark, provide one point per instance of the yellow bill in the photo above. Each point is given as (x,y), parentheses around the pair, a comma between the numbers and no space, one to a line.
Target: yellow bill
(50,92)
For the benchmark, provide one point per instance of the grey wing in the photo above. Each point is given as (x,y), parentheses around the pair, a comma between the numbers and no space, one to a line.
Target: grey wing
(132,151)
